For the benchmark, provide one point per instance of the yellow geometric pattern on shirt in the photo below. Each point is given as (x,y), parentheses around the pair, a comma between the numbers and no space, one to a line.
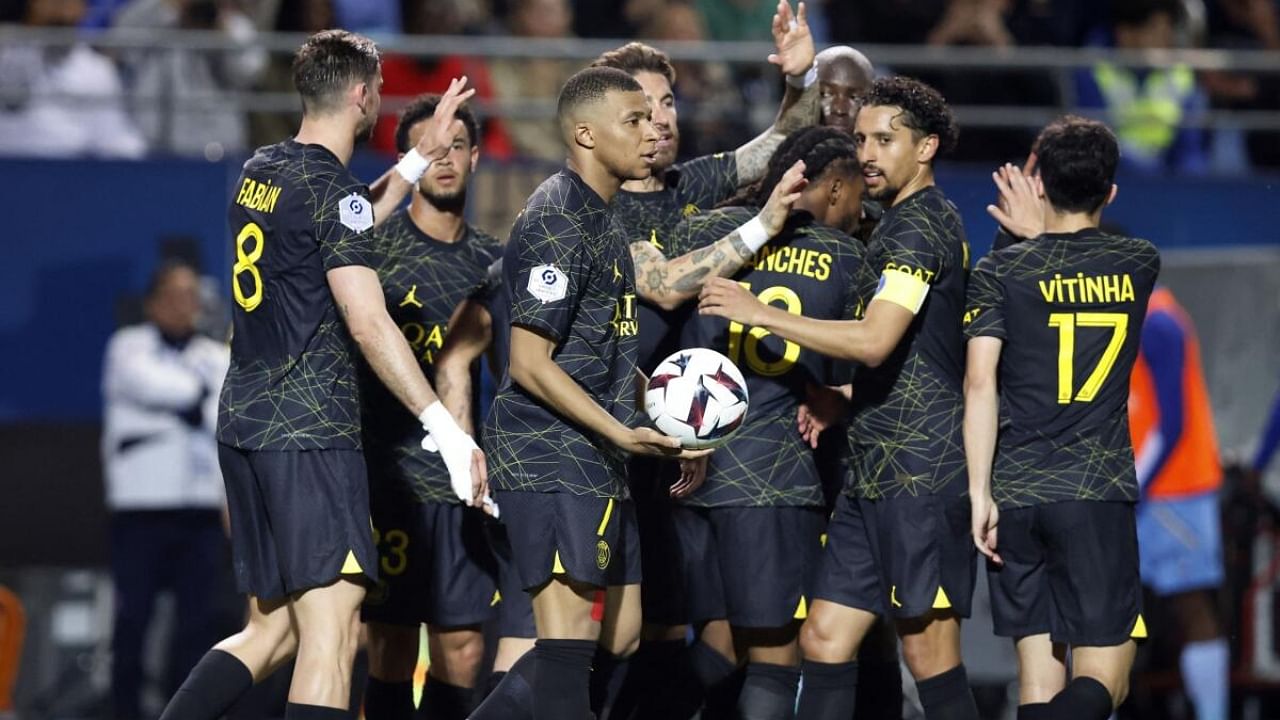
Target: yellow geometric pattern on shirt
(1095,461)
(700,183)
(529,448)
(306,400)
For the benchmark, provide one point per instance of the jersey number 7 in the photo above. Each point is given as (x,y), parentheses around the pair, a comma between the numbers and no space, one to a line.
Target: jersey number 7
(1067,324)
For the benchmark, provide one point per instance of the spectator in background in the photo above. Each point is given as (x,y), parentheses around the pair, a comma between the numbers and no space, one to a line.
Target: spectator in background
(1244,25)
(1179,475)
(183,98)
(1270,440)
(62,102)
(292,16)
(164,491)
(740,20)
(371,16)
(1152,110)
(405,77)
(521,80)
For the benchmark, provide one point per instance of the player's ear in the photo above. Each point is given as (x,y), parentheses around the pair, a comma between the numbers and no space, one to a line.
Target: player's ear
(583,135)
(926,149)
(1111,196)
(837,190)
(475,157)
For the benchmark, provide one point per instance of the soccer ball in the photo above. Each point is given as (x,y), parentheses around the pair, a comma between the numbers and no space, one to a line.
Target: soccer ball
(698,396)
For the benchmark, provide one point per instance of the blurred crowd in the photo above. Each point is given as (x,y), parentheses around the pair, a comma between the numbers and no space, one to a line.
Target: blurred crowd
(130,103)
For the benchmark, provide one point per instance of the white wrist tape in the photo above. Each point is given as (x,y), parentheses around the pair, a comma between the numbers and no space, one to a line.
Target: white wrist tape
(801,82)
(412,166)
(753,234)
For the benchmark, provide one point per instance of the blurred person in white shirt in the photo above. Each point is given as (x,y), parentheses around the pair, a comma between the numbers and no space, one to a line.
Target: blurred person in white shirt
(163,487)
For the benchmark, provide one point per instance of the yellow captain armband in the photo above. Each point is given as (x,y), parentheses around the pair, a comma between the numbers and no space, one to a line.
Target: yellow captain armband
(903,289)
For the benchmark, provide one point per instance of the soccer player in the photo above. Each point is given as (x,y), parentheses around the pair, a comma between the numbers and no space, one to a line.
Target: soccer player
(843,75)
(1053,326)
(558,431)
(1179,475)
(897,541)
(435,567)
(289,423)
(749,537)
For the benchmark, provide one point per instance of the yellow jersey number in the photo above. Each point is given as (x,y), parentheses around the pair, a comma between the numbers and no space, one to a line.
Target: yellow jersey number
(1067,324)
(246,262)
(394,558)
(750,347)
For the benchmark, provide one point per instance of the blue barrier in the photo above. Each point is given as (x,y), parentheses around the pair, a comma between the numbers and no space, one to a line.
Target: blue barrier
(85,233)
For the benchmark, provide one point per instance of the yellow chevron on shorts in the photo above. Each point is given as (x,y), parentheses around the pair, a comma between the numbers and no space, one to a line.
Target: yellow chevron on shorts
(941,601)
(893,596)
(604,522)
(557,568)
(802,610)
(1139,631)
(497,598)
(351,566)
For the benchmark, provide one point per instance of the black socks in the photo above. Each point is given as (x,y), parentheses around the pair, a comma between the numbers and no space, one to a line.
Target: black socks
(947,696)
(561,679)
(769,692)
(214,685)
(830,690)
(388,700)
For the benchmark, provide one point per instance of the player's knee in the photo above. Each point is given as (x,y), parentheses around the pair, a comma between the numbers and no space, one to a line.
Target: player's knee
(821,639)
(465,656)
(926,657)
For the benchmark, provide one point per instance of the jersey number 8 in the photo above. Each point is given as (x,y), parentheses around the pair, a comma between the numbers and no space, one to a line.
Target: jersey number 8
(245,263)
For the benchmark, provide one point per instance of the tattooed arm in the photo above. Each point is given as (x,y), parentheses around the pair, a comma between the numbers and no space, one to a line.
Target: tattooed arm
(668,283)
(800,108)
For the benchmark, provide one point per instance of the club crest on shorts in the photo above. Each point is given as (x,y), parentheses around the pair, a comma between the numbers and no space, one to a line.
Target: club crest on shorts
(602,554)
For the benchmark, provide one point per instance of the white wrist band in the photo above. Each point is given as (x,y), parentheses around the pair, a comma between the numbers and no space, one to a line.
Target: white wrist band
(801,82)
(753,234)
(412,166)
(436,419)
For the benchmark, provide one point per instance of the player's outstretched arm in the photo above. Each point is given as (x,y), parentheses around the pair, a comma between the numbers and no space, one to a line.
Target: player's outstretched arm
(390,190)
(868,341)
(470,335)
(534,368)
(800,103)
(358,295)
(670,282)
(981,423)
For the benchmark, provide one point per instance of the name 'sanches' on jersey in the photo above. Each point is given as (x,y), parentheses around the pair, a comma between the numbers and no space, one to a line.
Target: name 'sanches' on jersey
(808,269)
(297,213)
(690,188)
(1069,308)
(905,434)
(570,278)
(423,280)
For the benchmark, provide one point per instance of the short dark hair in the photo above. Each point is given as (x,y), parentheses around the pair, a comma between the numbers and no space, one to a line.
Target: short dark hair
(328,63)
(821,148)
(1132,13)
(423,107)
(589,85)
(926,111)
(162,272)
(636,57)
(1077,160)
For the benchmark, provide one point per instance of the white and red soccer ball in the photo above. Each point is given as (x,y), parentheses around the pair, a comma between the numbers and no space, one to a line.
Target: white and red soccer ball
(698,396)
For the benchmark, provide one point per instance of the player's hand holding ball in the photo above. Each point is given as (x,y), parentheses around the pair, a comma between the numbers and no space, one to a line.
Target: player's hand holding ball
(697,397)
(467,473)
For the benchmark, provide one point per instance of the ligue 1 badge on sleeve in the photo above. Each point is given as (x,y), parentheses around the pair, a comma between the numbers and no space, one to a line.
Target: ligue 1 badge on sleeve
(547,283)
(355,212)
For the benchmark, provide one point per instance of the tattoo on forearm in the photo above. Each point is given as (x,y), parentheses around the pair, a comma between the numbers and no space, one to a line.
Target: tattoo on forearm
(658,277)
(753,158)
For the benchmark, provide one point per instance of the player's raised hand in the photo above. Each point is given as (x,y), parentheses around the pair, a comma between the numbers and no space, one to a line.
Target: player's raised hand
(985,516)
(647,441)
(728,299)
(692,474)
(1020,201)
(793,40)
(784,196)
(444,126)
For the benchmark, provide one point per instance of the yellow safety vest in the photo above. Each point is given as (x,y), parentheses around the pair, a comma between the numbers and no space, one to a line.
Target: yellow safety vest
(1146,115)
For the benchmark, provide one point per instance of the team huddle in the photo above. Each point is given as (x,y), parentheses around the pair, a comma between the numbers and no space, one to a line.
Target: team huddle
(907,413)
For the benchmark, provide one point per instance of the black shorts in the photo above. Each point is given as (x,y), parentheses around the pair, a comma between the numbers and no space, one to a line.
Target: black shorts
(749,565)
(589,539)
(435,565)
(650,480)
(515,608)
(299,518)
(1070,570)
(903,557)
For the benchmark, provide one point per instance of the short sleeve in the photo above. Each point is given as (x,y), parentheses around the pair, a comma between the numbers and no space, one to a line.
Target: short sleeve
(548,269)
(344,226)
(707,181)
(910,260)
(701,230)
(984,302)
